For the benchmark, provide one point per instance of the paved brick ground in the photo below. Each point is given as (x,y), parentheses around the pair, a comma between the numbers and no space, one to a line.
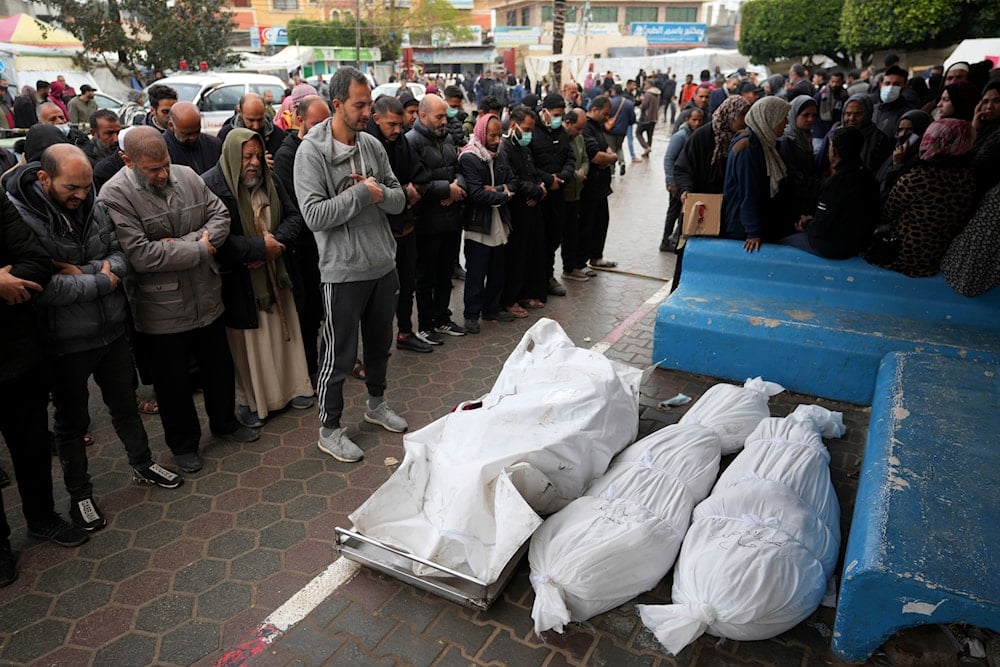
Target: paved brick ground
(179,577)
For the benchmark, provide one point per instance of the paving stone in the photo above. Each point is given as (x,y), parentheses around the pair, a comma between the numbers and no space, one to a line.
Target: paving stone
(65,576)
(224,600)
(368,630)
(304,508)
(164,613)
(215,484)
(123,565)
(258,516)
(232,544)
(199,576)
(609,653)
(455,627)
(505,650)
(369,589)
(240,462)
(327,610)
(326,484)
(282,534)
(256,565)
(352,654)
(66,657)
(189,507)
(142,588)
(208,525)
(80,601)
(309,556)
(132,649)
(188,643)
(236,500)
(418,612)
(312,643)
(405,645)
(301,470)
(155,536)
(35,640)
(102,626)
(282,492)
(506,614)
(180,554)
(276,589)
(140,516)
(453,657)
(21,612)
(260,476)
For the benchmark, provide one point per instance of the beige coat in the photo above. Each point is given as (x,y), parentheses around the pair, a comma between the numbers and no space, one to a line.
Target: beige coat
(175,283)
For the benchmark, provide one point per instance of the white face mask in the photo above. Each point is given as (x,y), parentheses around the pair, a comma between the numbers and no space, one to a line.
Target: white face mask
(889,94)
(64,128)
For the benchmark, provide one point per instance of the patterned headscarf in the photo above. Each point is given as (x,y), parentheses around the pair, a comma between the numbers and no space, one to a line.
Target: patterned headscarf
(762,118)
(734,107)
(477,142)
(948,137)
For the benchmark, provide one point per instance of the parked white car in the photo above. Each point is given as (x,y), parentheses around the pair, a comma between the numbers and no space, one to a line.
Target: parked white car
(416,89)
(216,94)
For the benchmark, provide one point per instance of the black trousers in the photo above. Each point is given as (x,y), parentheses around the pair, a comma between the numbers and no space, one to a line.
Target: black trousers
(524,258)
(645,134)
(554,218)
(436,255)
(484,279)
(673,215)
(24,420)
(406,270)
(112,369)
(593,227)
(309,300)
(571,235)
(366,303)
(168,360)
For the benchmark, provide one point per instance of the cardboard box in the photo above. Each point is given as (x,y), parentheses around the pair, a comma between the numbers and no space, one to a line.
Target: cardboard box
(702,214)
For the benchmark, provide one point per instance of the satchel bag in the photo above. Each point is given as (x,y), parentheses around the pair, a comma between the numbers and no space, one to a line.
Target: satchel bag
(609,124)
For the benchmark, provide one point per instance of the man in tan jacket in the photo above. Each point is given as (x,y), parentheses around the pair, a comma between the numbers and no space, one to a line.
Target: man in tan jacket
(169,224)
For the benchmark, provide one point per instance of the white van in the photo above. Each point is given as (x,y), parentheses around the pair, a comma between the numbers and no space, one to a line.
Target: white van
(216,94)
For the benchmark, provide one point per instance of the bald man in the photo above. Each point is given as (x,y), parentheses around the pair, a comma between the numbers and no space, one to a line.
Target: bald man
(251,113)
(86,315)
(170,224)
(50,114)
(186,143)
(310,111)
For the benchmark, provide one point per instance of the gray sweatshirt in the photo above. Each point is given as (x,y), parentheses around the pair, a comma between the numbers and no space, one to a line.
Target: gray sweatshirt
(353,235)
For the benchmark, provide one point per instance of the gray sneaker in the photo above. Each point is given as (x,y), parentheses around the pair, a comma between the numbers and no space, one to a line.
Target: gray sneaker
(385,417)
(334,441)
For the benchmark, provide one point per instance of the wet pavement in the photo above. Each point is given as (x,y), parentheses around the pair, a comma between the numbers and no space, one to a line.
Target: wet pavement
(185,576)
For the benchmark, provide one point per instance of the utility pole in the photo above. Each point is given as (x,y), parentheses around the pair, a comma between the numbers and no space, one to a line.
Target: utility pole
(357,34)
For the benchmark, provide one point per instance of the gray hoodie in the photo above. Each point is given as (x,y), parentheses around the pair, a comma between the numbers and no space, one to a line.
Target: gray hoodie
(353,235)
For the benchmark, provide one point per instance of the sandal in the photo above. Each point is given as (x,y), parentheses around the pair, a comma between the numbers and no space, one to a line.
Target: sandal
(531,303)
(147,406)
(603,263)
(517,311)
(359,370)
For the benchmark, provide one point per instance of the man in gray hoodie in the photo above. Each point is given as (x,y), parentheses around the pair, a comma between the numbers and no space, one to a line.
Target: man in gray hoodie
(346,188)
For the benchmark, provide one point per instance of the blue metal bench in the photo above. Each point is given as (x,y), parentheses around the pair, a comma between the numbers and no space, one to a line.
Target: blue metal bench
(817,326)
(924,545)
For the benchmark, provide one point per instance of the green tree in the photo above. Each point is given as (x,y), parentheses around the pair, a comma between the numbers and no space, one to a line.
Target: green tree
(151,32)
(870,25)
(777,29)
(423,20)
(325,33)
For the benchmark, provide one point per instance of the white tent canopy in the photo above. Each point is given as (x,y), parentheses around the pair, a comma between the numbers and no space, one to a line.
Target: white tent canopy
(691,61)
(974,51)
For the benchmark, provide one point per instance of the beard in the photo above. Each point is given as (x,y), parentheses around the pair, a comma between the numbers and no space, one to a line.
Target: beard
(147,186)
(251,182)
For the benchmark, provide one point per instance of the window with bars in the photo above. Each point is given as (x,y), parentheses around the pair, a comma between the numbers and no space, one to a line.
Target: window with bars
(286,5)
(512,17)
(640,15)
(604,15)
(681,15)
(526,16)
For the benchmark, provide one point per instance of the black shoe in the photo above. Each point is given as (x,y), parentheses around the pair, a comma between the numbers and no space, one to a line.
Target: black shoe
(4,479)
(556,288)
(157,475)
(449,328)
(241,434)
(502,316)
(430,337)
(412,343)
(62,533)
(189,462)
(621,170)
(8,566)
(86,514)
(471,326)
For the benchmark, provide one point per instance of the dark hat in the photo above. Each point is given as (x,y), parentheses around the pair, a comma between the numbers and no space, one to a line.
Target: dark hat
(87,88)
(748,87)
(408,100)
(42,84)
(39,138)
(553,101)
(530,100)
(742,71)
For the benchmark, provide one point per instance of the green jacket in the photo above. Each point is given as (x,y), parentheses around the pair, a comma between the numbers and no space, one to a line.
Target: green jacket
(571,189)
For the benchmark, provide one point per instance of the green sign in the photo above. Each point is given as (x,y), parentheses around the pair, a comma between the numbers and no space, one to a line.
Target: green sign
(346,53)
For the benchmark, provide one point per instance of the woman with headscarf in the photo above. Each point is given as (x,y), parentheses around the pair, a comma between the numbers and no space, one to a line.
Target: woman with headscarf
(986,150)
(958,101)
(753,175)
(774,85)
(26,108)
(958,71)
(799,189)
(929,205)
(858,114)
(842,223)
(489,185)
(56,90)
(972,264)
(909,131)
(262,324)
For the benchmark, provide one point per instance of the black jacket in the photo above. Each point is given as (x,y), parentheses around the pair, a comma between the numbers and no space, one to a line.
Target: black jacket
(25,114)
(200,156)
(407,168)
(456,128)
(20,337)
(284,162)
(846,214)
(552,154)
(525,181)
(598,183)
(694,171)
(106,168)
(440,158)
(238,251)
(477,208)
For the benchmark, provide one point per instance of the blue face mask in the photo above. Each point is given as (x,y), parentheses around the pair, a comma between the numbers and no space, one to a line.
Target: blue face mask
(452,112)
(525,139)
(556,123)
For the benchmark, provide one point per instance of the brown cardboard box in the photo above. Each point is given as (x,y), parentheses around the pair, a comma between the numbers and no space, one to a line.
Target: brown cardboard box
(702,214)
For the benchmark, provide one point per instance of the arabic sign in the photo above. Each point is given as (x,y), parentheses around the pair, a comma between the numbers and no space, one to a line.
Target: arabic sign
(671,33)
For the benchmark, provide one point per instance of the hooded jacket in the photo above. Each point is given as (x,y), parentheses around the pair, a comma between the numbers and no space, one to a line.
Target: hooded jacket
(82,311)
(353,235)
(271,134)
(175,284)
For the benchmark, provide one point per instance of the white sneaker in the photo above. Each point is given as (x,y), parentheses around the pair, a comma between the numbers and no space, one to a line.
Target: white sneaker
(386,417)
(334,441)
(576,274)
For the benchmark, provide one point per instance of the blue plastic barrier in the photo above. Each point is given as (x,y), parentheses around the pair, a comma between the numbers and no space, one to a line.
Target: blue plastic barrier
(817,326)
(925,539)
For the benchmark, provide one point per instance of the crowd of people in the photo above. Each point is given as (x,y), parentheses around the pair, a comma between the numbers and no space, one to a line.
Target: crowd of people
(256,264)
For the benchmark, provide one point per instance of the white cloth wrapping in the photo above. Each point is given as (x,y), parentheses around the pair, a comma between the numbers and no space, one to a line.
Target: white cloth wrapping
(762,547)
(623,536)
(473,482)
